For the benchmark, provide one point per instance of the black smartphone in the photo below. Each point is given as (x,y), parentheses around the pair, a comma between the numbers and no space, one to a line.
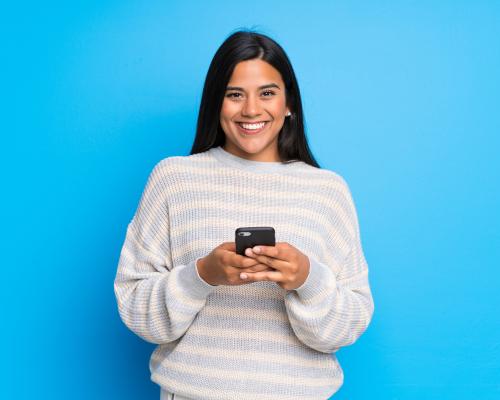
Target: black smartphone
(253,236)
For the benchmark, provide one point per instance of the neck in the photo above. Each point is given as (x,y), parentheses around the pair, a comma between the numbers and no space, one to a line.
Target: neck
(269,154)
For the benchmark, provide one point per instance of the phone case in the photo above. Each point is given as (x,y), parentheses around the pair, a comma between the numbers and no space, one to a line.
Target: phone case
(252,236)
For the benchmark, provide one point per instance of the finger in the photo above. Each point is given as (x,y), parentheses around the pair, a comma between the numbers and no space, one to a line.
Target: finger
(257,268)
(274,276)
(240,261)
(274,263)
(270,251)
(250,253)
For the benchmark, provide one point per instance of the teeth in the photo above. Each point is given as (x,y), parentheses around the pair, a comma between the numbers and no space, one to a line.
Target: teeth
(252,126)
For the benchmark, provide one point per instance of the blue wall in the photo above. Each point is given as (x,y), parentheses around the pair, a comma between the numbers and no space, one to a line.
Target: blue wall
(401,98)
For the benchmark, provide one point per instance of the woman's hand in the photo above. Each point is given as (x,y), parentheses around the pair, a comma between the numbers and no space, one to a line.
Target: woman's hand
(289,267)
(223,266)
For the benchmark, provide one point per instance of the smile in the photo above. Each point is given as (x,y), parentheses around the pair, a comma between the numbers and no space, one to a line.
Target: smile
(251,129)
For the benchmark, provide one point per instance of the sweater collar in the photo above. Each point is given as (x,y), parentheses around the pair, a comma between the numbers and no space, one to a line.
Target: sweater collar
(250,165)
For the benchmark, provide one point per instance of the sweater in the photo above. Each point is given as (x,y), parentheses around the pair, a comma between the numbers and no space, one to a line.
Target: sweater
(256,340)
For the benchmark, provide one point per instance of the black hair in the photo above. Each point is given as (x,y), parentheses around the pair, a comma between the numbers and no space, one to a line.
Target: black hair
(240,46)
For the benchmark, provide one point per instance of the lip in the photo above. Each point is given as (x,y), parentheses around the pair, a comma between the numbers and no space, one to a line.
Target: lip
(252,132)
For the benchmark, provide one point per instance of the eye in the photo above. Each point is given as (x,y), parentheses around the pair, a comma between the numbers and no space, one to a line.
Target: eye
(233,95)
(271,93)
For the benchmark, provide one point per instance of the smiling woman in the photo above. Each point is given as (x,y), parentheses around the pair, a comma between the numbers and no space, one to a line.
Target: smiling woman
(266,324)
(253,113)
(251,80)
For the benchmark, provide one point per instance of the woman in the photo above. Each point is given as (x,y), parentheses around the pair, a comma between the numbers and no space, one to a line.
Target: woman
(264,325)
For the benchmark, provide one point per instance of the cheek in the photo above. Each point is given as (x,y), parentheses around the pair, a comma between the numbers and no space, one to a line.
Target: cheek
(225,117)
(279,105)
(228,110)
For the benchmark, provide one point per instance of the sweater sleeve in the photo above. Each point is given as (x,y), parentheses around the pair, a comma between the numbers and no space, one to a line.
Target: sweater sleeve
(331,310)
(156,300)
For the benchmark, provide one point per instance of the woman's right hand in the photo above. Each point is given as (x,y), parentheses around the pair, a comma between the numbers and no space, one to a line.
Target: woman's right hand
(223,266)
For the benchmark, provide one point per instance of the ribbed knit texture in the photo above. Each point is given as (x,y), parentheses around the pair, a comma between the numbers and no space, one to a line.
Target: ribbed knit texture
(257,340)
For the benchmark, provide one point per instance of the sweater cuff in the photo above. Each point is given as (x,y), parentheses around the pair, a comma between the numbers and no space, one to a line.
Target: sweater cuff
(192,283)
(320,279)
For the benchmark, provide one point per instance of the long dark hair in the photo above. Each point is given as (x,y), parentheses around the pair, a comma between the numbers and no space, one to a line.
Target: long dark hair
(240,46)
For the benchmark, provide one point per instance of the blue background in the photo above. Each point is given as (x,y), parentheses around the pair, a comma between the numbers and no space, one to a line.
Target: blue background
(400,98)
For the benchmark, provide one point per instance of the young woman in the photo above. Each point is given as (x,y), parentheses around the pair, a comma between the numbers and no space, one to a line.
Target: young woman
(267,324)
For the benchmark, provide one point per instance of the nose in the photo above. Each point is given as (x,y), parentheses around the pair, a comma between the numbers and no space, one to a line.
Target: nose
(251,107)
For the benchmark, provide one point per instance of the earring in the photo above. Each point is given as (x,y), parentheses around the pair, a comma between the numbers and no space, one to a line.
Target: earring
(288,114)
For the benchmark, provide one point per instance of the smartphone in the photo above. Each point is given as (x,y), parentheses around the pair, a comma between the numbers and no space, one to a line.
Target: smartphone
(253,236)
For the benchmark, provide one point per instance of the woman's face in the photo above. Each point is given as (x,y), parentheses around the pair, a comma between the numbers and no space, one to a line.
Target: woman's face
(255,95)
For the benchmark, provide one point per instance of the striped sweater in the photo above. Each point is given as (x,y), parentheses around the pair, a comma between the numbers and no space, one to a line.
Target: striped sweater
(256,340)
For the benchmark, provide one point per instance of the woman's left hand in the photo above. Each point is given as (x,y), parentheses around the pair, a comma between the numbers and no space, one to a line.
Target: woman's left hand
(291,266)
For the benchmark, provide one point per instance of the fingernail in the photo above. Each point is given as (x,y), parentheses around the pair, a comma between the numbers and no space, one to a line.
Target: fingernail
(243,275)
(256,249)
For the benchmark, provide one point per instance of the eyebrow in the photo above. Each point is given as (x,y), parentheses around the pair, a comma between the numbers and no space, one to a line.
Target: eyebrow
(269,85)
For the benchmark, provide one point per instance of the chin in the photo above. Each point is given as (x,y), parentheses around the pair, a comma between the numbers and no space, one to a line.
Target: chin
(253,146)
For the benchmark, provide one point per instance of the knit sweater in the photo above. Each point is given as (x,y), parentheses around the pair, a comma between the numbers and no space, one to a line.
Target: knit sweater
(256,340)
